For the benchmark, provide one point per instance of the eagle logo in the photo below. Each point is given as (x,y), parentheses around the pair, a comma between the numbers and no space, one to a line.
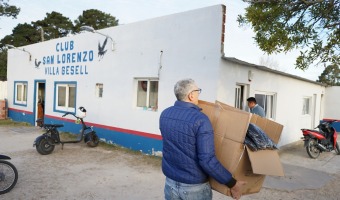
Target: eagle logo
(101,49)
(37,63)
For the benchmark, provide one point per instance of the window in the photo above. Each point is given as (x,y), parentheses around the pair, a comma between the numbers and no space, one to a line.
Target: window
(147,94)
(239,90)
(65,96)
(268,102)
(20,93)
(306,106)
(99,90)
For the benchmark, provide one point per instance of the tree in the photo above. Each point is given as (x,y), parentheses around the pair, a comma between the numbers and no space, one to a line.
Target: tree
(54,25)
(330,76)
(22,34)
(311,25)
(7,10)
(3,65)
(96,19)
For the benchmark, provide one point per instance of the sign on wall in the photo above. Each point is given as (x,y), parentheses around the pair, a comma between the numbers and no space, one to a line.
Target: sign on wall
(66,60)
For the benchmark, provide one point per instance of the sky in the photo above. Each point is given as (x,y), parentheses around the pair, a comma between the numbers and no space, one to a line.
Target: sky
(239,42)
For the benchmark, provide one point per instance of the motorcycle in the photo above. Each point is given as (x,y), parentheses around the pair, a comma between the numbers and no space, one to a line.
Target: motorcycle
(46,142)
(8,175)
(324,139)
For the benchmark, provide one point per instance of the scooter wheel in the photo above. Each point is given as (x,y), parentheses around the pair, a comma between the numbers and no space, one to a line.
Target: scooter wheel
(8,176)
(44,148)
(312,148)
(93,140)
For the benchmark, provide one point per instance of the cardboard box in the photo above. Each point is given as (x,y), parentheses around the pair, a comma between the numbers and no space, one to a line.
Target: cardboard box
(230,127)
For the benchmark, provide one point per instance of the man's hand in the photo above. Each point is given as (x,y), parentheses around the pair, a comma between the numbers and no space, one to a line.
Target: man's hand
(236,191)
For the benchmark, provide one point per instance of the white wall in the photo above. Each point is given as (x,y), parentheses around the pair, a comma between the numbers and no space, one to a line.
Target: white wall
(191,46)
(289,91)
(3,89)
(331,102)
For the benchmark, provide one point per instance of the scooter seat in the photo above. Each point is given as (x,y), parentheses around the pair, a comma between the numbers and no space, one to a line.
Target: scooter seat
(54,125)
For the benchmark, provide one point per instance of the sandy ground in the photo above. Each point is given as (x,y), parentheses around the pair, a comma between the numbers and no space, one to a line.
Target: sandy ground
(80,172)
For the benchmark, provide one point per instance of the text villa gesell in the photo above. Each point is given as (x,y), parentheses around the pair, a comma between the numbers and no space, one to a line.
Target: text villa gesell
(66,61)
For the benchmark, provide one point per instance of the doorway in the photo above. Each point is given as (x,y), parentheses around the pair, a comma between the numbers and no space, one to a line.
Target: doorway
(39,101)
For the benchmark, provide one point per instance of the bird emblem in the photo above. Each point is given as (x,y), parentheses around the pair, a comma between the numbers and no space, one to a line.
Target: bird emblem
(37,63)
(101,49)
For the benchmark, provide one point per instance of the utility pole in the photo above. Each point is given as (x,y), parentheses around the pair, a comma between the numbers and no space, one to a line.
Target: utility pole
(42,34)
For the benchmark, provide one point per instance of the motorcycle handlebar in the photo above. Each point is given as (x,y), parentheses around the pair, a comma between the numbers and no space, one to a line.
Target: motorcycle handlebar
(331,121)
(328,122)
(69,113)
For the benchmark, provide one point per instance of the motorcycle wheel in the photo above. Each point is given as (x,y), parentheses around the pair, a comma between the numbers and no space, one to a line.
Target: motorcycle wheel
(337,149)
(94,140)
(8,176)
(312,149)
(44,148)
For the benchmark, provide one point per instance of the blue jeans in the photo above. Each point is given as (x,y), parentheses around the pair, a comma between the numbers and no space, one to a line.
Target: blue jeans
(174,190)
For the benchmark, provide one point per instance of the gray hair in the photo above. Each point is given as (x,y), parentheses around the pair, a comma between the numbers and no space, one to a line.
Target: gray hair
(183,88)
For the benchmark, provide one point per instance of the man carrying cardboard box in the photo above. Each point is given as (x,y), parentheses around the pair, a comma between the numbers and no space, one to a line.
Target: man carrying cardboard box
(188,149)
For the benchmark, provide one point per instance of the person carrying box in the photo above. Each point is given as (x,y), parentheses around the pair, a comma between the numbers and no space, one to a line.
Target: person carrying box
(188,149)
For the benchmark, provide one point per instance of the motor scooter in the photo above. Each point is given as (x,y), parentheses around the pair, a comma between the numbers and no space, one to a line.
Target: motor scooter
(8,175)
(46,142)
(324,139)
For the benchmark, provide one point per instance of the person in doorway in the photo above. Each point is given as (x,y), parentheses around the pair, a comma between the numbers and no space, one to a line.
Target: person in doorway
(254,107)
(188,149)
(40,112)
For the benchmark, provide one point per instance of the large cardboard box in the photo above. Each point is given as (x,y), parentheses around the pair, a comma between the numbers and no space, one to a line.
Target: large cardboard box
(230,127)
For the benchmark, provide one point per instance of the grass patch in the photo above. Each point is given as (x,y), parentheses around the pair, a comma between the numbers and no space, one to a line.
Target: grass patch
(140,157)
(9,122)
(67,136)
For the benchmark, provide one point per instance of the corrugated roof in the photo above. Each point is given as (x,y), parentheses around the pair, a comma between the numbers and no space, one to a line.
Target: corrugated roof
(263,68)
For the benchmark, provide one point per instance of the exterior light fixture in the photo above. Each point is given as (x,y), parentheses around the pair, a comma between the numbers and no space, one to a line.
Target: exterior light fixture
(13,47)
(91,29)
(250,75)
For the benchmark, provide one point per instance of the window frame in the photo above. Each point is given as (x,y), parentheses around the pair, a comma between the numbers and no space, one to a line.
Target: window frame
(138,80)
(66,108)
(99,90)
(308,110)
(239,96)
(269,106)
(23,94)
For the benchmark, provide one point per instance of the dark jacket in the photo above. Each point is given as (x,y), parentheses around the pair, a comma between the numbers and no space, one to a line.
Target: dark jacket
(188,146)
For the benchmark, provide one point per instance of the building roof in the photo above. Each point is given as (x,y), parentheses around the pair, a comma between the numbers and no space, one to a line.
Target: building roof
(263,68)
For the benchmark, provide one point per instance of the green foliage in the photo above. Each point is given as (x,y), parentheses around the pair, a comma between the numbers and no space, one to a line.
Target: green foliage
(9,122)
(7,10)
(330,76)
(96,19)
(311,25)
(23,34)
(54,25)
(3,65)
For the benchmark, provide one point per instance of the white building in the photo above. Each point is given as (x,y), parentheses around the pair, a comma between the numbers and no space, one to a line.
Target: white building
(126,79)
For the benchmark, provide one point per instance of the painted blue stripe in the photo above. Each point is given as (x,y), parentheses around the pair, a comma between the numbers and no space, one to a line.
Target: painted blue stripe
(134,142)
(21,117)
(131,141)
